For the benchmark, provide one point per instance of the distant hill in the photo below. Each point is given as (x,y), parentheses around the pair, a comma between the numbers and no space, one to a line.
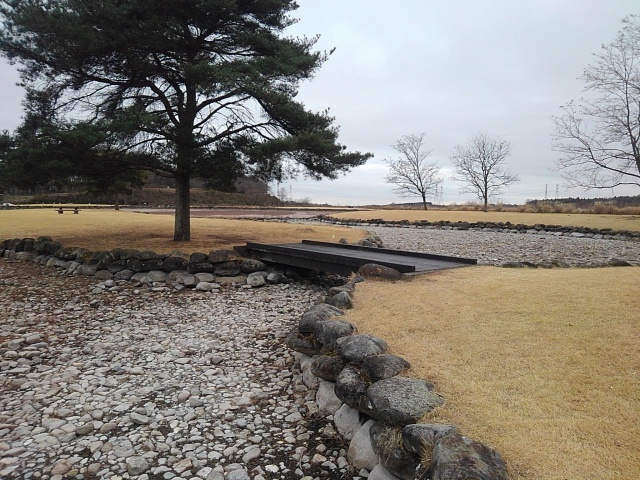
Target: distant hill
(152,197)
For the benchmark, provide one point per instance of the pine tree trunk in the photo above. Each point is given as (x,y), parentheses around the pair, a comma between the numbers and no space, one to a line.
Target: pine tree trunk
(182,229)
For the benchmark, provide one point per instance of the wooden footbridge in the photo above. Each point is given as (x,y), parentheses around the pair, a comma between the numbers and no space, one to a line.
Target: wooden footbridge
(345,259)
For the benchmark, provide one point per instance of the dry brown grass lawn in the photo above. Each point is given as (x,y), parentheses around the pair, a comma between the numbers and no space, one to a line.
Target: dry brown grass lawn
(615,222)
(107,229)
(542,365)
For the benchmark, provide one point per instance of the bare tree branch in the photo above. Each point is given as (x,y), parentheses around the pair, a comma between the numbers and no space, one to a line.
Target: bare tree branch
(599,137)
(480,165)
(411,174)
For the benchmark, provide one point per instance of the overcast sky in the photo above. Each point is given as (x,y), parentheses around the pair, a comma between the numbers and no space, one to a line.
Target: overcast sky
(449,69)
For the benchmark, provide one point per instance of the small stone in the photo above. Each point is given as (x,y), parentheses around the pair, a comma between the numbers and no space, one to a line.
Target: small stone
(85,429)
(137,465)
(61,467)
(251,454)
(107,427)
(318,459)
(139,419)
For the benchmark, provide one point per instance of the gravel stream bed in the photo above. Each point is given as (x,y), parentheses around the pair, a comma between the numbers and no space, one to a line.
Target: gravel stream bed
(141,385)
(497,248)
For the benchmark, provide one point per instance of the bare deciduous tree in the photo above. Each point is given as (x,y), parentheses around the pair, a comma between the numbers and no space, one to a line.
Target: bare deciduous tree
(480,165)
(411,174)
(600,136)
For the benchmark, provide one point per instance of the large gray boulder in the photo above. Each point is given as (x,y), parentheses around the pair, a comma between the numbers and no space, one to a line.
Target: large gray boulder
(176,276)
(381,473)
(207,286)
(200,267)
(375,271)
(104,275)
(87,270)
(190,281)
(356,348)
(326,398)
(223,256)
(303,344)
(205,277)
(329,331)
(227,269)
(66,253)
(421,437)
(237,280)
(361,454)
(141,277)
(401,401)
(385,365)
(123,253)
(123,275)
(328,367)
(459,458)
(351,388)
(250,265)
(155,264)
(198,257)
(347,421)
(386,441)
(146,255)
(29,244)
(174,263)
(16,245)
(341,300)
(257,279)
(116,266)
(316,314)
(157,276)
(275,278)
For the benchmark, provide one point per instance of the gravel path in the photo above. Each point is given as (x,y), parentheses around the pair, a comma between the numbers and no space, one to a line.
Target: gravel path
(131,384)
(497,248)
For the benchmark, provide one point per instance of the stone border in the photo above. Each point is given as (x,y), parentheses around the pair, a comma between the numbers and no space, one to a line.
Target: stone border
(374,407)
(160,272)
(502,227)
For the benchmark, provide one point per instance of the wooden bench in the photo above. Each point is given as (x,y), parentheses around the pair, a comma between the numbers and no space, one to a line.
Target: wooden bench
(61,210)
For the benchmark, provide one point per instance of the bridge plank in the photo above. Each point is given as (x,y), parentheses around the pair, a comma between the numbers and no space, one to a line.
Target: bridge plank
(345,259)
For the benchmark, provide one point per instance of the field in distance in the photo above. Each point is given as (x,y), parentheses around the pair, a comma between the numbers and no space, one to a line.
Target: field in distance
(615,222)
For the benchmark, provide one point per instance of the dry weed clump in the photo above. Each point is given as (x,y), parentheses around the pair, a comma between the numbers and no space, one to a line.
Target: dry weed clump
(390,440)
(610,208)
(598,208)
(567,208)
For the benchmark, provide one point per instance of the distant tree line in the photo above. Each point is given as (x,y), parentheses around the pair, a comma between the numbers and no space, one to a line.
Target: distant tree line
(587,203)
